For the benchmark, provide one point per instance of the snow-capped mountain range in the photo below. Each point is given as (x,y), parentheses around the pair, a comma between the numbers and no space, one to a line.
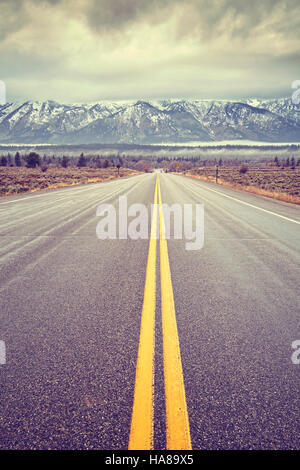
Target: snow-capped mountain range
(149,122)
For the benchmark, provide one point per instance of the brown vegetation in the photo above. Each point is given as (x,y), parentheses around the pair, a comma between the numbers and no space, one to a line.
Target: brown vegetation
(270,181)
(21,179)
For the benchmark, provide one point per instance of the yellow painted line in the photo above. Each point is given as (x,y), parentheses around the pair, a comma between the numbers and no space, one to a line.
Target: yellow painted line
(177,420)
(141,431)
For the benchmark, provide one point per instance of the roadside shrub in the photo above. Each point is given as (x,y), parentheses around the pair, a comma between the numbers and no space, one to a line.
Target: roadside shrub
(18,188)
(243,170)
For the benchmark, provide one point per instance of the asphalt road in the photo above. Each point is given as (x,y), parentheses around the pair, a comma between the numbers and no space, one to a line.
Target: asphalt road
(71,313)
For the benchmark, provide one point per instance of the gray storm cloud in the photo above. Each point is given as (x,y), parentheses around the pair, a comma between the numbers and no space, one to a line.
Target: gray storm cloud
(115,13)
(201,17)
(110,49)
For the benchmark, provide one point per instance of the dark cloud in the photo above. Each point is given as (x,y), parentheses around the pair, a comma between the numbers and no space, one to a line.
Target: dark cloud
(12,17)
(13,14)
(120,13)
(237,18)
(154,48)
(203,18)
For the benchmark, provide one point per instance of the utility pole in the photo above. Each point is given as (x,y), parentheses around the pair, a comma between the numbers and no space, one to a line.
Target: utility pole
(217,173)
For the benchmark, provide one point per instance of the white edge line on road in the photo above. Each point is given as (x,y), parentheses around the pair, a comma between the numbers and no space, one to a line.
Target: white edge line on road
(34,196)
(252,205)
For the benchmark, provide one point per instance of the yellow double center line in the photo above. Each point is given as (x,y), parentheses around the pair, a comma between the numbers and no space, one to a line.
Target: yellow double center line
(177,421)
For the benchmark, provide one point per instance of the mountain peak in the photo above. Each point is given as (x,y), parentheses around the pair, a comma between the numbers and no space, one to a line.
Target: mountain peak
(147,122)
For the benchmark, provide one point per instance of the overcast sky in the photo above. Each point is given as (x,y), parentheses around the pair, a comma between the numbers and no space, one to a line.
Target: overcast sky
(89,50)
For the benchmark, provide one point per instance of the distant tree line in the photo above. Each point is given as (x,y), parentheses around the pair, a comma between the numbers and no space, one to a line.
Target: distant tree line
(288,162)
(141,162)
(34,160)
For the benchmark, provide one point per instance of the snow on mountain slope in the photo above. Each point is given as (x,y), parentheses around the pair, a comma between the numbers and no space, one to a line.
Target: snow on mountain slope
(142,122)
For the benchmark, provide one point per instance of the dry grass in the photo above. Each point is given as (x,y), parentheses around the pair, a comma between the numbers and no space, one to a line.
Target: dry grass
(269,181)
(18,180)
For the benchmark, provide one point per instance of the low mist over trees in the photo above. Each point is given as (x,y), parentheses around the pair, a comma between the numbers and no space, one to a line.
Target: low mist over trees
(145,159)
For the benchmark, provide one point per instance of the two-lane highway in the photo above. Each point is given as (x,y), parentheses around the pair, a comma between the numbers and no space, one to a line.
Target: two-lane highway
(72,307)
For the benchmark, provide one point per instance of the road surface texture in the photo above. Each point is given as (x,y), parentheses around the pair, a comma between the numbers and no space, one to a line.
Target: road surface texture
(71,308)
